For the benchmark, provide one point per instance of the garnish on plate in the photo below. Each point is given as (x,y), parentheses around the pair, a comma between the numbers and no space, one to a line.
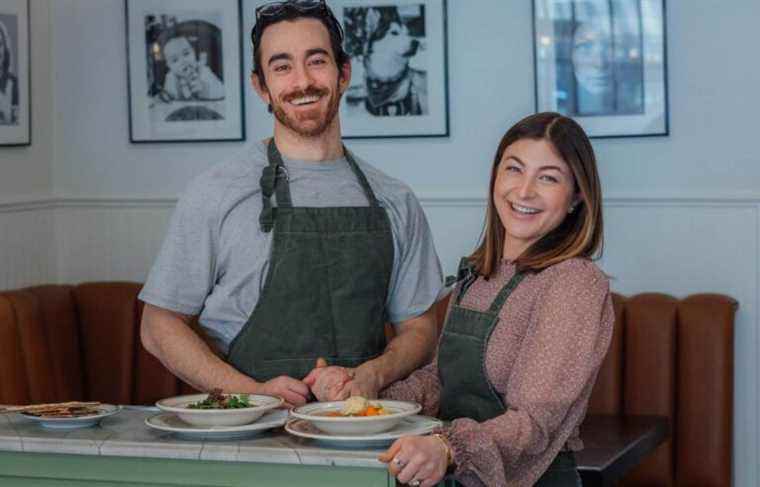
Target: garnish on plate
(217,400)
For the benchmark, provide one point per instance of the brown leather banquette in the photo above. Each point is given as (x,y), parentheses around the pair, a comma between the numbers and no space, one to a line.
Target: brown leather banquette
(668,357)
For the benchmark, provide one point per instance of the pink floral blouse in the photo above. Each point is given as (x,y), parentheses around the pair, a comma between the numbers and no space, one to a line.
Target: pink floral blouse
(542,357)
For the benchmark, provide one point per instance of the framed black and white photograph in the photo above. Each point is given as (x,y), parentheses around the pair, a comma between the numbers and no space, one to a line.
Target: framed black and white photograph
(15,110)
(399,85)
(603,63)
(184,70)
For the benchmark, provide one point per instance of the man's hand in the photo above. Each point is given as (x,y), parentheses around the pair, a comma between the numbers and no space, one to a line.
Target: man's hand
(294,391)
(326,382)
(366,382)
(410,349)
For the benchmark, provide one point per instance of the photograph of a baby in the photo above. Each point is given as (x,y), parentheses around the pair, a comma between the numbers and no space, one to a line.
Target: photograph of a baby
(9,95)
(388,58)
(185,68)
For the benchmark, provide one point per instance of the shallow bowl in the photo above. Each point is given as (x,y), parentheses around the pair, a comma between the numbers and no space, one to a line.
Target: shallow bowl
(315,412)
(218,417)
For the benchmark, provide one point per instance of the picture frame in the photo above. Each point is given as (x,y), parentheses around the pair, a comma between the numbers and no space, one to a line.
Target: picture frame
(603,63)
(184,70)
(15,74)
(399,83)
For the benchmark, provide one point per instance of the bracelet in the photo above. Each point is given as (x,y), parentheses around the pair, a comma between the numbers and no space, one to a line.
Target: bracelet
(447,448)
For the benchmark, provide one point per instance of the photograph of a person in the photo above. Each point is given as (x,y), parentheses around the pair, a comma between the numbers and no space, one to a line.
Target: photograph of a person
(15,121)
(597,59)
(603,72)
(184,68)
(9,101)
(387,49)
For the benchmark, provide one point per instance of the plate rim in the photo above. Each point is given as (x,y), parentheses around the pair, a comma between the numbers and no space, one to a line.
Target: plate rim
(198,430)
(414,409)
(377,437)
(92,417)
(277,402)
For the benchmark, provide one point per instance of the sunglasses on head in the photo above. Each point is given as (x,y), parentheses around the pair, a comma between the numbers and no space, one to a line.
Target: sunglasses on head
(301,6)
(269,12)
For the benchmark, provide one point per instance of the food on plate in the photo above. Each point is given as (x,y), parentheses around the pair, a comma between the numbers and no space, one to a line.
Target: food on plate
(358,406)
(73,409)
(217,400)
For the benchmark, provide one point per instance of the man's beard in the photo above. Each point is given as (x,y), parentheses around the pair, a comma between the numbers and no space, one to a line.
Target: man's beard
(296,125)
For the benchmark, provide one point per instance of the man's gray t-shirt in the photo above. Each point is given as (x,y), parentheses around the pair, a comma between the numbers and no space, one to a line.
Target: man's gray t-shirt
(214,259)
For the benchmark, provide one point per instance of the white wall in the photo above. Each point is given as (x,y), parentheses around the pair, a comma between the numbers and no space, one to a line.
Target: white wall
(26,229)
(682,212)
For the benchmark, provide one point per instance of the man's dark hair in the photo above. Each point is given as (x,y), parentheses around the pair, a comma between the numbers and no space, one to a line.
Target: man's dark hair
(291,10)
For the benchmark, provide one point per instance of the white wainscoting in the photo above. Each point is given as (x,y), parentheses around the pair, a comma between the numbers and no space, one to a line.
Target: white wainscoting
(677,246)
(26,244)
(113,240)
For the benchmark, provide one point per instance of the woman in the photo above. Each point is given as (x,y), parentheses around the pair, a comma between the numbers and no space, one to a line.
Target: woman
(528,324)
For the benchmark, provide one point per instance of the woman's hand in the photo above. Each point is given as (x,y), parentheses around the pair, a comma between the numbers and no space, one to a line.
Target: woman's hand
(417,460)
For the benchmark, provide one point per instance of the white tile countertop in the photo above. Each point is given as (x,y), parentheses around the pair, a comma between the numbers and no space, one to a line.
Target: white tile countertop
(126,435)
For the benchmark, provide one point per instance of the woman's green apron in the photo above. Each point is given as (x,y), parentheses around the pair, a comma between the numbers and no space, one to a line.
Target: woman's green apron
(466,391)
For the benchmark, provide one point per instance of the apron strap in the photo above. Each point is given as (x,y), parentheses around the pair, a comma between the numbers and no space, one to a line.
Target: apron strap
(466,274)
(501,298)
(274,180)
(361,177)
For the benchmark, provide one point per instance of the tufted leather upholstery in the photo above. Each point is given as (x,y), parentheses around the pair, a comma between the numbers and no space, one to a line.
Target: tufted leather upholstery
(668,357)
(78,343)
(674,358)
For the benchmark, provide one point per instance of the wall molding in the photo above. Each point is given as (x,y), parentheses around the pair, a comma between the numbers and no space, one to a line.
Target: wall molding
(26,204)
(427,199)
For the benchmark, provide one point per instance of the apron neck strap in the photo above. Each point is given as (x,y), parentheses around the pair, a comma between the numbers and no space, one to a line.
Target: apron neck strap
(361,177)
(466,274)
(276,176)
(274,180)
(501,298)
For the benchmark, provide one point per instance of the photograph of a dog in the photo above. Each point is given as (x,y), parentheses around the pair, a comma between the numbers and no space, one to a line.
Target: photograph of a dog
(387,46)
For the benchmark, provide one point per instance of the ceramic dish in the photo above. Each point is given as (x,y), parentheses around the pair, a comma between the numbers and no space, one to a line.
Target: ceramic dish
(315,413)
(171,423)
(411,425)
(218,417)
(75,422)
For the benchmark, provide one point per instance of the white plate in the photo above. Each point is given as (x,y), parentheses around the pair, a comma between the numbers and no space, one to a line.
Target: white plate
(411,425)
(173,424)
(218,417)
(77,422)
(355,425)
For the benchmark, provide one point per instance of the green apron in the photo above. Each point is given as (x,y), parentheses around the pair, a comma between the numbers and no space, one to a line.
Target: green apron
(466,391)
(326,286)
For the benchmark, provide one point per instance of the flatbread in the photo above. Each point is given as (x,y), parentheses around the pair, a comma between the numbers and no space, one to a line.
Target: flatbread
(71,409)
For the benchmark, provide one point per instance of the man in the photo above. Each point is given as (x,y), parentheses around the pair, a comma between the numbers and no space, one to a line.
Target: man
(295,250)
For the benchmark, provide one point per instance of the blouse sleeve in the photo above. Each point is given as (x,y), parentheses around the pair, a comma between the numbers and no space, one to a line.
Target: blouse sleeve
(422,386)
(550,381)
